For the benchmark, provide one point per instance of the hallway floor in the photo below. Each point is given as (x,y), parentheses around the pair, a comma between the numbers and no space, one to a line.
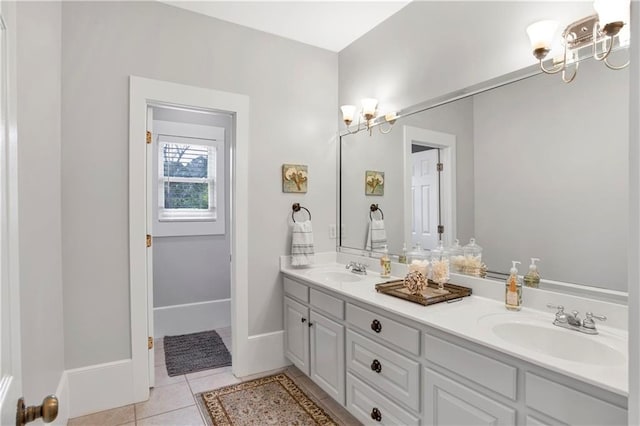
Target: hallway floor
(172,400)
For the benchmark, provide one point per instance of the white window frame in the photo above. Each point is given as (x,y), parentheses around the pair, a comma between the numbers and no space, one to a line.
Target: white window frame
(213,147)
(179,223)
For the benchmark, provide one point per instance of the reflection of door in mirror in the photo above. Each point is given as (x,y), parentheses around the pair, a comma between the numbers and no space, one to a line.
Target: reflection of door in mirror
(425,190)
(430,188)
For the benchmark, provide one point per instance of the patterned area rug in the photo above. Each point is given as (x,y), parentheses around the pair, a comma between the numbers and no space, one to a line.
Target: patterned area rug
(193,352)
(271,400)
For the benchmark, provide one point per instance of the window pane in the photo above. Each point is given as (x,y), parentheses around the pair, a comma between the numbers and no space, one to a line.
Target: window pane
(181,160)
(186,195)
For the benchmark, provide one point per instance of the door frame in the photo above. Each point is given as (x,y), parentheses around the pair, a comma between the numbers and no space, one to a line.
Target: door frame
(447,145)
(11,354)
(144,91)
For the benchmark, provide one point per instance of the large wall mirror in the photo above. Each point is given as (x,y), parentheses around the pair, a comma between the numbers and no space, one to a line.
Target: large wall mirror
(534,168)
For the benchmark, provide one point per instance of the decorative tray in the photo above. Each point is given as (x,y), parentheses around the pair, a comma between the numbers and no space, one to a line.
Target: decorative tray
(431,296)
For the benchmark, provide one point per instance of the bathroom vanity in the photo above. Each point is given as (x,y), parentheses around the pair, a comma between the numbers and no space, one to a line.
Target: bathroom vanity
(390,361)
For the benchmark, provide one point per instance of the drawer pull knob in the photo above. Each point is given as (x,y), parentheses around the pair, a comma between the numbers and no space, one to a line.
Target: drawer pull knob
(376,415)
(376,326)
(376,366)
(303,320)
(310,324)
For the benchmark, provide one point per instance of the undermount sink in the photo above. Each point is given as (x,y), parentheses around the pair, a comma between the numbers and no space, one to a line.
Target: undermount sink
(334,275)
(556,342)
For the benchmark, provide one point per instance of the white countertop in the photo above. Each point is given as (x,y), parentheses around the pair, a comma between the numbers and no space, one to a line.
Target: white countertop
(472,319)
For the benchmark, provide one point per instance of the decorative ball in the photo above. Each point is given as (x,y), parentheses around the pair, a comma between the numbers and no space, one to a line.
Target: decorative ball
(415,282)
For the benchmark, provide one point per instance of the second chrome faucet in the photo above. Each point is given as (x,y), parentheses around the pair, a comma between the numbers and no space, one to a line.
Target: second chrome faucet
(357,268)
(573,322)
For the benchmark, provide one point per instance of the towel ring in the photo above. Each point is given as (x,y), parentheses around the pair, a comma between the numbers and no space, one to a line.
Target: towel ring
(373,208)
(296,208)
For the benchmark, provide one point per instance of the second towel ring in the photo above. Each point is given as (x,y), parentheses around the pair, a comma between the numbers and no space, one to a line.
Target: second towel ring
(296,208)
(373,208)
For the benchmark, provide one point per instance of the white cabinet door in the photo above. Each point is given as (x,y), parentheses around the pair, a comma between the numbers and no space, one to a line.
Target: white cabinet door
(448,402)
(296,336)
(327,355)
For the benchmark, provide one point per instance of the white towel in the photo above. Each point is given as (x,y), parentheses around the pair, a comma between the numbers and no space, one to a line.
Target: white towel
(377,236)
(302,244)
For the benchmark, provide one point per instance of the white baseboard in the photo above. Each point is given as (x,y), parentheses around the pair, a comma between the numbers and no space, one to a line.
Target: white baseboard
(191,317)
(99,387)
(265,352)
(62,392)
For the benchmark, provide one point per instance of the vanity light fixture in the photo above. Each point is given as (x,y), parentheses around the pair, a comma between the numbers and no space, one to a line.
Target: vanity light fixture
(366,116)
(608,27)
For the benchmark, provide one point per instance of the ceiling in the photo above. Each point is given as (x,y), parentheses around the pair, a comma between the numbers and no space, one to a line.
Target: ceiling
(331,25)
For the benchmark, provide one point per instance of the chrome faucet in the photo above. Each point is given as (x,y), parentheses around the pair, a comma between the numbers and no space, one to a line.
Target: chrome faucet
(573,322)
(357,268)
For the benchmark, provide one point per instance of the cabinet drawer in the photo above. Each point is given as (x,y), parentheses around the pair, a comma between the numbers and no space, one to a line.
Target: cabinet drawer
(448,402)
(384,328)
(396,375)
(569,405)
(371,407)
(295,289)
(492,374)
(328,304)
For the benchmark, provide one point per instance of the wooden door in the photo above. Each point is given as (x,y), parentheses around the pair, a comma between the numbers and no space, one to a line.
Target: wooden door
(10,354)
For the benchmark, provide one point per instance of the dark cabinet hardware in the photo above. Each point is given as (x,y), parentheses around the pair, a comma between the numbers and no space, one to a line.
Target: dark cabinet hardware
(376,415)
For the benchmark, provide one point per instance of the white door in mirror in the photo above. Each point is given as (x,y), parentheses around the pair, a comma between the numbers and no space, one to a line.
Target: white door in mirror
(426,198)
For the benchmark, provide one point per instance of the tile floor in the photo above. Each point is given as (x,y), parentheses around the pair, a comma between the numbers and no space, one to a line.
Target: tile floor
(172,400)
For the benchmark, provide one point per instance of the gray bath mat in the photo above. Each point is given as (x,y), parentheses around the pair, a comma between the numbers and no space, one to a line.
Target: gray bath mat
(189,353)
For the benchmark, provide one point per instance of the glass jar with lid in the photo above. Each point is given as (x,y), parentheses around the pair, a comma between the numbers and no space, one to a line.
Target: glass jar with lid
(456,254)
(440,266)
(418,260)
(472,258)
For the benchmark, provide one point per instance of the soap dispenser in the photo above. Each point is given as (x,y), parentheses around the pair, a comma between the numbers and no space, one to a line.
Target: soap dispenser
(513,292)
(403,257)
(385,263)
(532,279)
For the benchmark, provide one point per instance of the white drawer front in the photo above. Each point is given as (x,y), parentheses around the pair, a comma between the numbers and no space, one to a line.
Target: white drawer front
(569,405)
(392,373)
(384,328)
(492,374)
(295,289)
(328,304)
(371,407)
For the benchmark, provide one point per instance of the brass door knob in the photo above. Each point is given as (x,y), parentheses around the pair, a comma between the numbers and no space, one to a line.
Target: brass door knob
(48,411)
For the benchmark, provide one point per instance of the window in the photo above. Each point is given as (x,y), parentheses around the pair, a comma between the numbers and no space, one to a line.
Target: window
(187,180)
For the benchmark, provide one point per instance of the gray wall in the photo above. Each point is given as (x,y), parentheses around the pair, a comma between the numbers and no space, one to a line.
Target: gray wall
(190,269)
(293,92)
(431,48)
(38,80)
(553,182)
